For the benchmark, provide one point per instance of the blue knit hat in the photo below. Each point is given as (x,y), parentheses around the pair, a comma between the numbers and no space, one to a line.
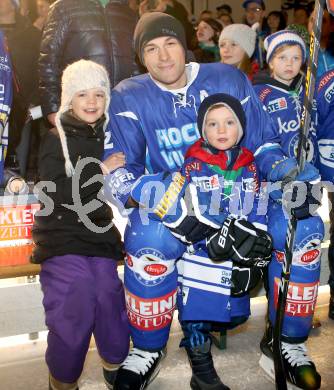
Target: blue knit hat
(280,38)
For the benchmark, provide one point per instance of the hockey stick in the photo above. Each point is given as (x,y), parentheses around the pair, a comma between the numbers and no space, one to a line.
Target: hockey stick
(280,375)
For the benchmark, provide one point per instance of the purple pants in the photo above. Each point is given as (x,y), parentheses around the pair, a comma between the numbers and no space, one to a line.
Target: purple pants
(82,296)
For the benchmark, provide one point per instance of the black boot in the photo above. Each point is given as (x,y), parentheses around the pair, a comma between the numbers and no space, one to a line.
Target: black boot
(109,377)
(331,306)
(204,375)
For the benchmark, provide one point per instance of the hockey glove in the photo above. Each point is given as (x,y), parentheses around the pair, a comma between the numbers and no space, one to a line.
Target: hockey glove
(300,200)
(240,241)
(244,278)
(299,190)
(191,230)
(285,171)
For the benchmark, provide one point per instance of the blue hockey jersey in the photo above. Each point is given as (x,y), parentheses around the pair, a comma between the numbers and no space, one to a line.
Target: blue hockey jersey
(223,184)
(5,99)
(325,132)
(284,105)
(154,126)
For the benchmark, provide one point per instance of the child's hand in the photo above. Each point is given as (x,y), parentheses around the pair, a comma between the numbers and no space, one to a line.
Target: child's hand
(113,162)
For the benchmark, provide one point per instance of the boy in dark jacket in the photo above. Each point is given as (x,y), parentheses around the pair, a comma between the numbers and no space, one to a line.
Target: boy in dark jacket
(75,238)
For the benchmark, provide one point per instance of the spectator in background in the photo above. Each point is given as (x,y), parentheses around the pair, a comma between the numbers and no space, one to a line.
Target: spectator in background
(255,15)
(207,34)
(205,14)
(326,51)
(134,5)
(42,7)
(224,14)
(223,9)
(275,21)
(23,43)
(254,11)
(6,81)
(98,30)
(237,45)
(300,16)
(226,20)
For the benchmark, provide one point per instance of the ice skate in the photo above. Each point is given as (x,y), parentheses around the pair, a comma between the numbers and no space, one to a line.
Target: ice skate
(300,371)
(138,370)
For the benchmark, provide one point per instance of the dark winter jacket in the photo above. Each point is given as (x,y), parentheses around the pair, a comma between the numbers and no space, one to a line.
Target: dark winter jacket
(83,29)
(63,232)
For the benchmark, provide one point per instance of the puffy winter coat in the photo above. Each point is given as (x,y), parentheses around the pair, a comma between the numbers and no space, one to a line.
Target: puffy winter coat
(78,29)
(66,231)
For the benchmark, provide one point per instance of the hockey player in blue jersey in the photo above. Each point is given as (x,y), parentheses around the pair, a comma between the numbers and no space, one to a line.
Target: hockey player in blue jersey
(282,94)
(325,133)
(5,101)
(154,123)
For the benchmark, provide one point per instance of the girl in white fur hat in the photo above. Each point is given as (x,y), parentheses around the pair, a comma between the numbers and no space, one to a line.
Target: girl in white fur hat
(237,45)
(76,242)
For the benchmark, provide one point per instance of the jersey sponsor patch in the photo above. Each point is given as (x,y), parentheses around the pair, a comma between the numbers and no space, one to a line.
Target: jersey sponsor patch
(307,254)
(207,183)
(277,105)
(249,184)
(326,152)
(329,93)
(150,313)
(301,298)
(121,181)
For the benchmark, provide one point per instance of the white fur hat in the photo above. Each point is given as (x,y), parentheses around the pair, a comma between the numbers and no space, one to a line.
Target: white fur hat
(242,34)
(80,75)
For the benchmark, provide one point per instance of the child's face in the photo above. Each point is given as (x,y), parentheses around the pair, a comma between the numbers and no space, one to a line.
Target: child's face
(89,105)
(231,53)
(221,128)
(204,32)
(286,64)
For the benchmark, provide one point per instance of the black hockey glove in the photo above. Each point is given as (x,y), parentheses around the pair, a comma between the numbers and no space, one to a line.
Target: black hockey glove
(240,241)
(302,199)
(191,230)
(244,278)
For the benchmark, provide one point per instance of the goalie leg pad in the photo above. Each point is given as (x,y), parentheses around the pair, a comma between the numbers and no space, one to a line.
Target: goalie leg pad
(305,273)
(150,280)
